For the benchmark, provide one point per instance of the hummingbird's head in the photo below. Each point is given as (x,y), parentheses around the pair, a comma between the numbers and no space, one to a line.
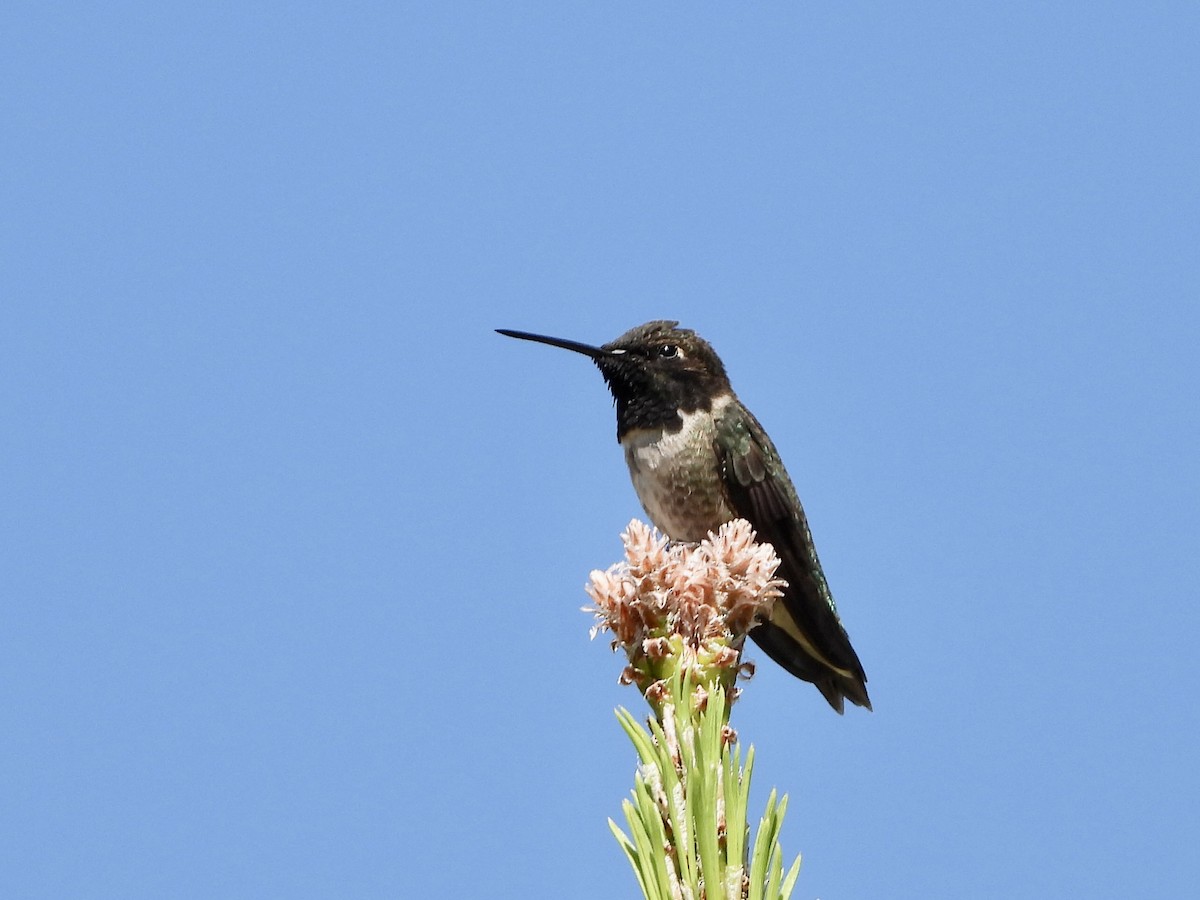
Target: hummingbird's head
(655,372)
(660,361)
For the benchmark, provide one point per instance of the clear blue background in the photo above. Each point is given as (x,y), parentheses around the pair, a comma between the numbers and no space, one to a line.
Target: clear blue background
(293,544)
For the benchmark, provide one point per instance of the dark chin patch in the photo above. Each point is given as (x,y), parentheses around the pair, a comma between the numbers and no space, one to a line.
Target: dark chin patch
(642,403)
(647,412)
(651,392)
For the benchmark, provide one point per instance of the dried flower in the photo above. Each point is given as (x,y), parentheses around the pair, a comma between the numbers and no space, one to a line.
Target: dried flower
(672,606)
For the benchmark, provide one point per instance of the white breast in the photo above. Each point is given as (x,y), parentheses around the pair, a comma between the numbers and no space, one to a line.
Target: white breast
(675,475)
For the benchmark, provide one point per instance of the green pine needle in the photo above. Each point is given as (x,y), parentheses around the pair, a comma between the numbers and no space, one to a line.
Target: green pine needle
(687,818)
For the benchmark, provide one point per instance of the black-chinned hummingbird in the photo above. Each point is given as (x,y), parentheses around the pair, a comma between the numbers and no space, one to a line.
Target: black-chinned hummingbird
(698,458)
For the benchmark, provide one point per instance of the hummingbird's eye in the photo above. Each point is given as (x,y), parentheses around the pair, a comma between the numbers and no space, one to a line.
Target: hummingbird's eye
(668,351)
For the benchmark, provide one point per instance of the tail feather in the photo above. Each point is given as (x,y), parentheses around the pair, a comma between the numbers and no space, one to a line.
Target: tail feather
(835,687)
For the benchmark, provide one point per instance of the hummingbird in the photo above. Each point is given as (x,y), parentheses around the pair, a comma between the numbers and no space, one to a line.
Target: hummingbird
(698,459)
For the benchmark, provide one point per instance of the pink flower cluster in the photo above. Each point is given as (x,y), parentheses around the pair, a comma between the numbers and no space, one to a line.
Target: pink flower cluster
(700,599)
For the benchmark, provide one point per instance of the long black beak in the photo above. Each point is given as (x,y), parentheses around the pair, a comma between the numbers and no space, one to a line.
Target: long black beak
(585,349)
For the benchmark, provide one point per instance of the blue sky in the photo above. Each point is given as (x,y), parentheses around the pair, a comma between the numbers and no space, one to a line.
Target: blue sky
(293,544)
